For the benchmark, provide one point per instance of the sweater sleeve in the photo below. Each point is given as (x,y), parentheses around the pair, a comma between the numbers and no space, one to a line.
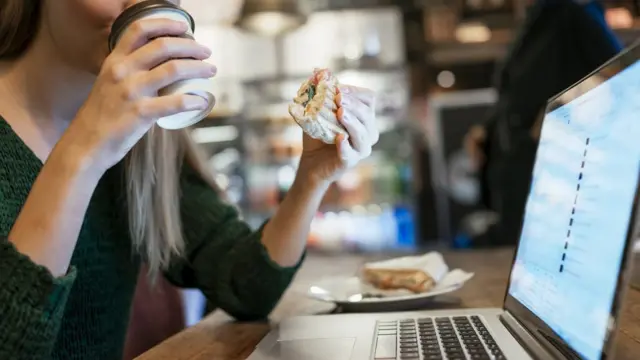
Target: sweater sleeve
(224,258)
(32,304)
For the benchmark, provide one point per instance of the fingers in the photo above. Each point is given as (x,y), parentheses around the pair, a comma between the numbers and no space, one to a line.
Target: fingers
(162,49)
(153,108)
(358,134)
(366,96)
(141,31)
(170,72)
(365,114)
(348,155)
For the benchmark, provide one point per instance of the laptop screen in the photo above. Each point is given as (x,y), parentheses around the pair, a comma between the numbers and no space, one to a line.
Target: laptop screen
(579,210)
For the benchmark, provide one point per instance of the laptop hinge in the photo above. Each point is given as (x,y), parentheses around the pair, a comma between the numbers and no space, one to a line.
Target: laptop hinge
(531,344)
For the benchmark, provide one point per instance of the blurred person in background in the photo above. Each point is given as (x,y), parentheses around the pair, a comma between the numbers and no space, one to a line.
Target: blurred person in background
(560,42)
(90,187)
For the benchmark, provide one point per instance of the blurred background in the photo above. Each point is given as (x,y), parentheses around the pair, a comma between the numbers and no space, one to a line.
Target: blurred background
(431,63)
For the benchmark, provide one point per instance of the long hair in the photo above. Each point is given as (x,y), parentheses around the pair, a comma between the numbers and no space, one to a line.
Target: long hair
(153,166)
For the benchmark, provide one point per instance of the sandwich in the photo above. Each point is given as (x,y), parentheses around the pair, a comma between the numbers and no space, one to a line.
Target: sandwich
(314,108)
(418,274)
(416,281)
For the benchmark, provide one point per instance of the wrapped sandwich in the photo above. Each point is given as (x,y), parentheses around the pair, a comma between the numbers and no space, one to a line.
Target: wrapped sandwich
(417,274)
(314,108)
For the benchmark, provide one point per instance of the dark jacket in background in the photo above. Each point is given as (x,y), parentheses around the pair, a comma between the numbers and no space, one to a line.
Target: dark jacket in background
(560,43)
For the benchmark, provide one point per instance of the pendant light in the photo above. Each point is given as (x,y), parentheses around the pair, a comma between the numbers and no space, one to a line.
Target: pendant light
(272,17)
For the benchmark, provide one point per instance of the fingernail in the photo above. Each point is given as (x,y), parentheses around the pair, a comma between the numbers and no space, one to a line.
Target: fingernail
(206,50)
(197,103)
(183,26)
(213,69)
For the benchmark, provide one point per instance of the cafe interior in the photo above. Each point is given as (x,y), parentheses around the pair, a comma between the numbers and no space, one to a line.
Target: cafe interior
(433,66)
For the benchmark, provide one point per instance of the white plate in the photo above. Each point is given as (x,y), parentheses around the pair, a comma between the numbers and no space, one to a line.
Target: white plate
(352,294)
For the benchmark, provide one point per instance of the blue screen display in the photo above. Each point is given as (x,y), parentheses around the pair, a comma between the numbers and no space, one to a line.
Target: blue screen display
(579,210)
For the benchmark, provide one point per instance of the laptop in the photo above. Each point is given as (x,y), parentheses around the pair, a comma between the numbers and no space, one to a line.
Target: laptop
(570,268)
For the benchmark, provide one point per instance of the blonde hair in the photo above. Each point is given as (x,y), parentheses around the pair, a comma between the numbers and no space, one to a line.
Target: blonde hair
(153,170)
(153,167)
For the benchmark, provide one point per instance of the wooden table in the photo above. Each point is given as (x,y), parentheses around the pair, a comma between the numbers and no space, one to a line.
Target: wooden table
(218,337)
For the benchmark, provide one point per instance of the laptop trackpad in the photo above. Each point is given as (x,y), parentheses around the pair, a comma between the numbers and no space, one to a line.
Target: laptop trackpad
(312,349)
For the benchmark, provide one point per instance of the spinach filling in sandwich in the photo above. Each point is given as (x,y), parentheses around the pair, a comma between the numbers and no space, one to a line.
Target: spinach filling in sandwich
(314,108)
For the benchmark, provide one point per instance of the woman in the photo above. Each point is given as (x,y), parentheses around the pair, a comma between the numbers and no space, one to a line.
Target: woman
(77,220)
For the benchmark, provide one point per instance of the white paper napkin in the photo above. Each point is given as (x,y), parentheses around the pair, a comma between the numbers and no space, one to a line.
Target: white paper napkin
(432,263)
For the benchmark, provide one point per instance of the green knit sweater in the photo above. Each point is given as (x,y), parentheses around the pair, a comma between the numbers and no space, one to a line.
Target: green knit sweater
(84,315)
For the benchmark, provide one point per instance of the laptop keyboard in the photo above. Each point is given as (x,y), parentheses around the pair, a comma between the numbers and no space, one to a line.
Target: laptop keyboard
(441,338)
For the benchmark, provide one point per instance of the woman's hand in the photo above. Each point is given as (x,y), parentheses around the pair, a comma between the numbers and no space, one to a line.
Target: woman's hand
(121,108)
(124,103)
(286,233)
(324,163)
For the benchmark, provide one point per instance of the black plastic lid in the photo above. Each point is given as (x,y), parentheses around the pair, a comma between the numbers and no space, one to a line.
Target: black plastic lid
(132,13)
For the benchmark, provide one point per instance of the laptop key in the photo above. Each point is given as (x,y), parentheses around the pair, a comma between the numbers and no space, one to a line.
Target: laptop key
(407,348)
(433,346)
(433,357)
(479,356)
(453,351)
(475,347)
(385,347)
(452,348)
(411,356)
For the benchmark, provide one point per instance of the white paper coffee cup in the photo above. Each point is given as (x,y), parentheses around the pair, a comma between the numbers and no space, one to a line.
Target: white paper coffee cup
(163,9)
